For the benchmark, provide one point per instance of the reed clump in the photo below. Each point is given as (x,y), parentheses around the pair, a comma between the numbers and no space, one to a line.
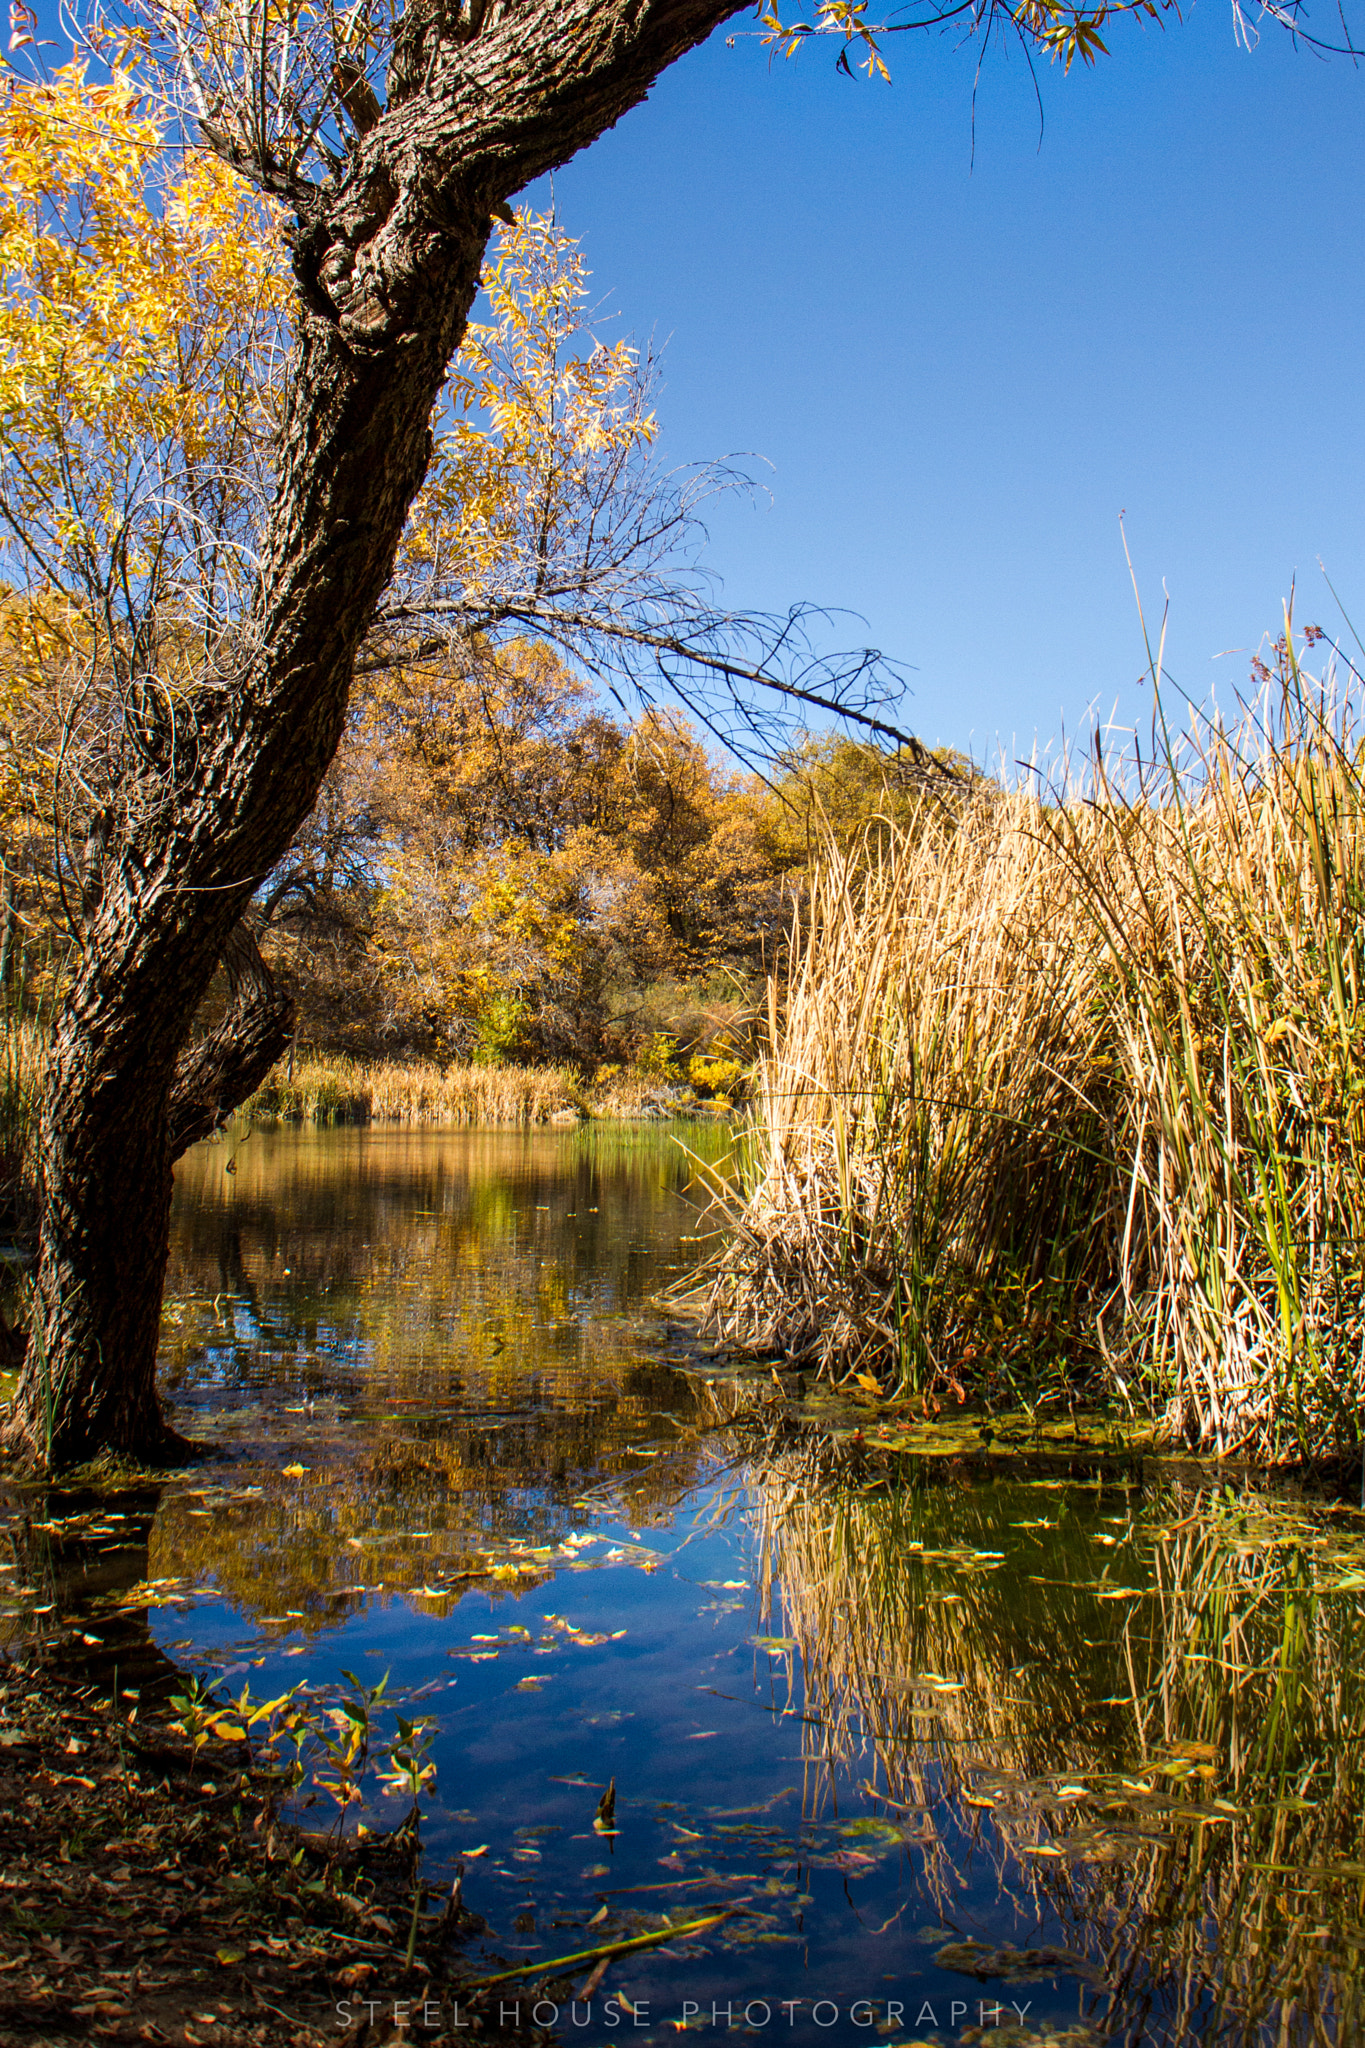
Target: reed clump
(23,1072)
(1075,1084)
(316,1088)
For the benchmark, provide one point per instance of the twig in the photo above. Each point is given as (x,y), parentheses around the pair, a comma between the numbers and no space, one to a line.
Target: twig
(554,1965)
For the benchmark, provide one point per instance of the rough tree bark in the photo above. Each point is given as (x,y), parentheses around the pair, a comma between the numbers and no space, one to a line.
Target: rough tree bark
(387,258)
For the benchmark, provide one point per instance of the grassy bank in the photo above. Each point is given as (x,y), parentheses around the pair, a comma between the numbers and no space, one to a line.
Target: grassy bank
(315,1087)
(1074,1088)
(327,1088)
(323,1088)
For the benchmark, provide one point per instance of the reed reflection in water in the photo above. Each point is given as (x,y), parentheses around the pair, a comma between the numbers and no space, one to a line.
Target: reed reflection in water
(1090,1748)
(1146,1712)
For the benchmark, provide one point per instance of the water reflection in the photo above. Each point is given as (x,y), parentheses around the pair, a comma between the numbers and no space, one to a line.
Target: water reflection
(1078,1755)
(1144,1711)
(436,1342)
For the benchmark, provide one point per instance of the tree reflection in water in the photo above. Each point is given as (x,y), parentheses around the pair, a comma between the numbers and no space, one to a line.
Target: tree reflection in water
(1064,1738)
(449,1332)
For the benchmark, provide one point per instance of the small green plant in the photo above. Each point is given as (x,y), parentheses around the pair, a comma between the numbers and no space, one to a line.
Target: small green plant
(328,1745)
(201,1716)
(407,1767)
(346,1749)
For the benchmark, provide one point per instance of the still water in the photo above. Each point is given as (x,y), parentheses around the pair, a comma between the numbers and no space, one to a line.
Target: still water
(1057,1751)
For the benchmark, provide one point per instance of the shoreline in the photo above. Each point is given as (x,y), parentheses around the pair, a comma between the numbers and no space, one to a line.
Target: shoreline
(147,1896)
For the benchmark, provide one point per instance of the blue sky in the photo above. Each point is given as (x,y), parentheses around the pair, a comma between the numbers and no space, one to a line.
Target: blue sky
(963,372)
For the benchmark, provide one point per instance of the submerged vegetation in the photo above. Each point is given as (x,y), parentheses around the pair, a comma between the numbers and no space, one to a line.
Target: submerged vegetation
(1071,1087)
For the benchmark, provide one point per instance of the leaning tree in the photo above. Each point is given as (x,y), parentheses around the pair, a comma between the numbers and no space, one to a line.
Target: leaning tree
(384,142)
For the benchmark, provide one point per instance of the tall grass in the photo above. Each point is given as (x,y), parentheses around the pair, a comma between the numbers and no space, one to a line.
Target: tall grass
(326,1088)
(319,1088)
(1088,1072)
(23,1066)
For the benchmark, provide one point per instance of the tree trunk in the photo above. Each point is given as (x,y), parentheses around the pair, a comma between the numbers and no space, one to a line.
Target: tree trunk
(388,260)
(119,1111)
(229,1065)
(88,1383)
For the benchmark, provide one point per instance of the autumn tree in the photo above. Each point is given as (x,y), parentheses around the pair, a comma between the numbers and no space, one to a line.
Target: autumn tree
(530,859)
(831,789)
(221,598)
(520,869)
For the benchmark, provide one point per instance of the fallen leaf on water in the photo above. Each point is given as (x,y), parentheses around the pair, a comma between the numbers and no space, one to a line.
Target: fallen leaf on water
(852,1859)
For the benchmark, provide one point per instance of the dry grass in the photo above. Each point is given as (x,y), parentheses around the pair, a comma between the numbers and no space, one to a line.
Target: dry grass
(326,1088)
(1086,1078)
(323,1089)
(23,1069)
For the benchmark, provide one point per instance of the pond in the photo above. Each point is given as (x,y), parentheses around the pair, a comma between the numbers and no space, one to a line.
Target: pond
(1050,1753)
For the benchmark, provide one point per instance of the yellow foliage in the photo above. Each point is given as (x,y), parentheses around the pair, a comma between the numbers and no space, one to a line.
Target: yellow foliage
(140,290)
(529,411)
(536,861)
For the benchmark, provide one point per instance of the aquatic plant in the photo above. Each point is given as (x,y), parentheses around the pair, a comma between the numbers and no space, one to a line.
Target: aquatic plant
(1073,1083)
(331,1742)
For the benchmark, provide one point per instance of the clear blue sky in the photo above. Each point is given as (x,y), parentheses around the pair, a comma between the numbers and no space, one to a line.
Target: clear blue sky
(962,373)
